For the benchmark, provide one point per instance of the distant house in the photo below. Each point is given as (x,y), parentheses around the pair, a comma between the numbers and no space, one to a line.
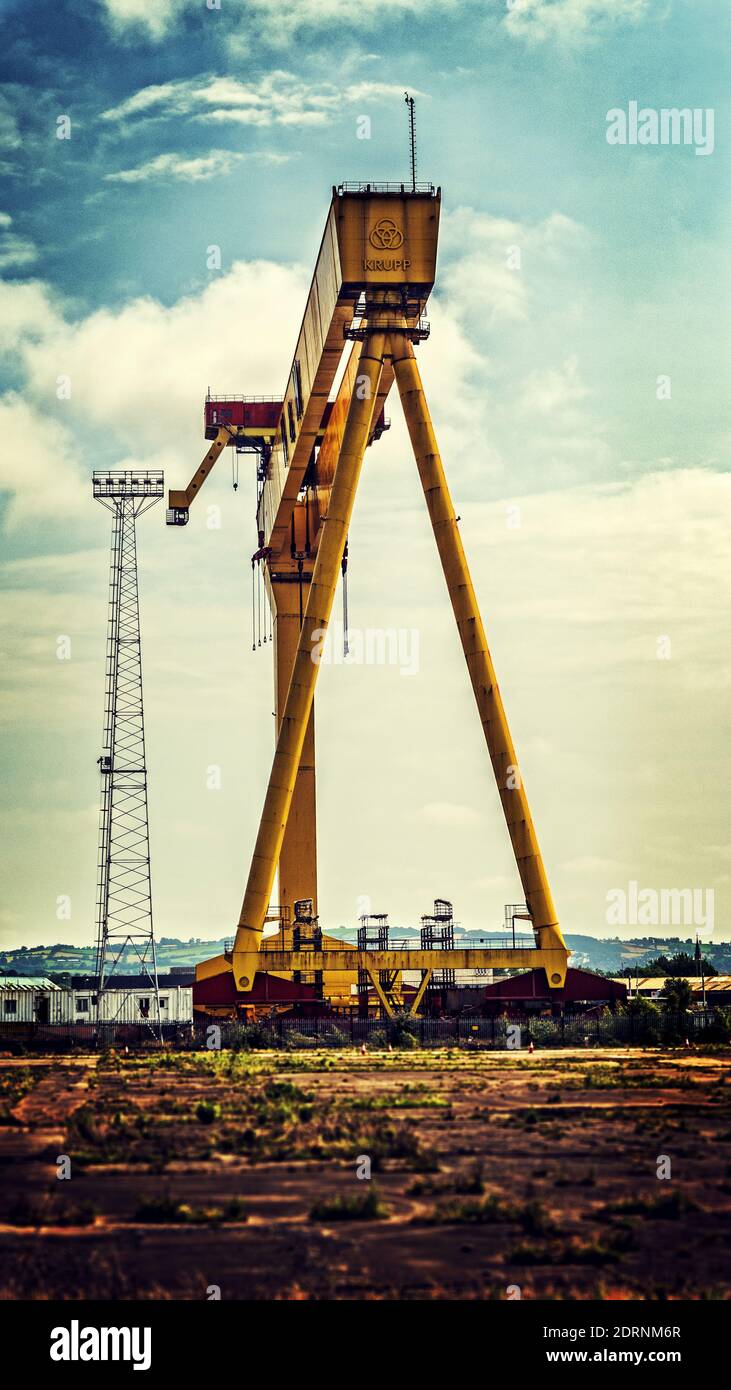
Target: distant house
(718,988)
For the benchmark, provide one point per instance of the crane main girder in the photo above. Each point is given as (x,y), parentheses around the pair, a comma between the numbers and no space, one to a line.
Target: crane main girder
(346,962)
(358,225)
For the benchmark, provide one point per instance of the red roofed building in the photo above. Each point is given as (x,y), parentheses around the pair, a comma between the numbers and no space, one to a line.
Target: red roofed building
(529,993)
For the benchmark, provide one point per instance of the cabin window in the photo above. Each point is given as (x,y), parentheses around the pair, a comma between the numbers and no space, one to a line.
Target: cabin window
(82,1005)
(163,1003)
(297,385)
(11,1006)
(144,1007)
(292,426)
(285,445)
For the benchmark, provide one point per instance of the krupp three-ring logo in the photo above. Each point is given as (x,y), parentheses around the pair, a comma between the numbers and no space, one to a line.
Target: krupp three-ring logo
(386,236)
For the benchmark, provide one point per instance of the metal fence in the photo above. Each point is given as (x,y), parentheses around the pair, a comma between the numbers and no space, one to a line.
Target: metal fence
(52,1037)
(626,1029)
(484,1033)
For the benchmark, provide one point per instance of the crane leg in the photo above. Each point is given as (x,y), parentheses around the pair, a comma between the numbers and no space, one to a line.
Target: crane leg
(421,991)
(479,662)
(382,997)
(296,712)
(298,855)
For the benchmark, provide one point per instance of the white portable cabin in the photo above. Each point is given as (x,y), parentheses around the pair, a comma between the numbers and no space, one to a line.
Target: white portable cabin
(132,1004)
(36,999)
(30,999)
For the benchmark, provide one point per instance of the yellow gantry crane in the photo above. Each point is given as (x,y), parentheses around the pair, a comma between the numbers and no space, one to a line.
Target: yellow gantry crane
(374,273)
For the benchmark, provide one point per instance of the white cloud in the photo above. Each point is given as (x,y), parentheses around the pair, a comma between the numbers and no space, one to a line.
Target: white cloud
(279,98)
(508,292)
(10,138)
(216,164)
(26,310)
(138,373)
(633,557)
(317,12)
(161,94)
(553,389)
(154,15)
(569,21)
(15,251)
(494,263)
(280,19)
(538,21)
(39,464)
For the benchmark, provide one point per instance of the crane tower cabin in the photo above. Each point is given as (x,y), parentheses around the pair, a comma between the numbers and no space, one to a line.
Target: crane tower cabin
(374,273)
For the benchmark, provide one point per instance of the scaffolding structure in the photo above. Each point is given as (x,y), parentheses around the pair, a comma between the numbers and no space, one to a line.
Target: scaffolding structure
(516,912)
(373,934)
(307,936)
(124,925)
(437,934)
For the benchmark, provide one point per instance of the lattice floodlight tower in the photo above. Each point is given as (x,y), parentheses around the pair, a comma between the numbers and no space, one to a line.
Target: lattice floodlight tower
(375,271)
(124,899)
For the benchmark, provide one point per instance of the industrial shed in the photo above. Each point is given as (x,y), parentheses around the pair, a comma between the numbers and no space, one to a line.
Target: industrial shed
(529,992)
(216,996)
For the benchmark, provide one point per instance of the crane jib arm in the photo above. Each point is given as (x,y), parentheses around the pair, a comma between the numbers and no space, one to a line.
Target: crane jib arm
(373,240)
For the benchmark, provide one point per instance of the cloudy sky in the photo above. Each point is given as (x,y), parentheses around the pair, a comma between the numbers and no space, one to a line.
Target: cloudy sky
(577,388)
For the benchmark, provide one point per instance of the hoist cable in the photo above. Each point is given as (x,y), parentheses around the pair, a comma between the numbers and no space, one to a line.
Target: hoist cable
(344,568)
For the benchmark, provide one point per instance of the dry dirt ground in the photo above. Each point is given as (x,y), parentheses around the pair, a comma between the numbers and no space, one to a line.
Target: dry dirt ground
(240,1171)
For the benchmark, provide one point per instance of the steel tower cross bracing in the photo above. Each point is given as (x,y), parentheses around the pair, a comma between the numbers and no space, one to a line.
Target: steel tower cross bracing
(124,923)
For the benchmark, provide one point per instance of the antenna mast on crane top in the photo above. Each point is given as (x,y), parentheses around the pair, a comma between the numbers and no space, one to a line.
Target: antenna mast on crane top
(412,139)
